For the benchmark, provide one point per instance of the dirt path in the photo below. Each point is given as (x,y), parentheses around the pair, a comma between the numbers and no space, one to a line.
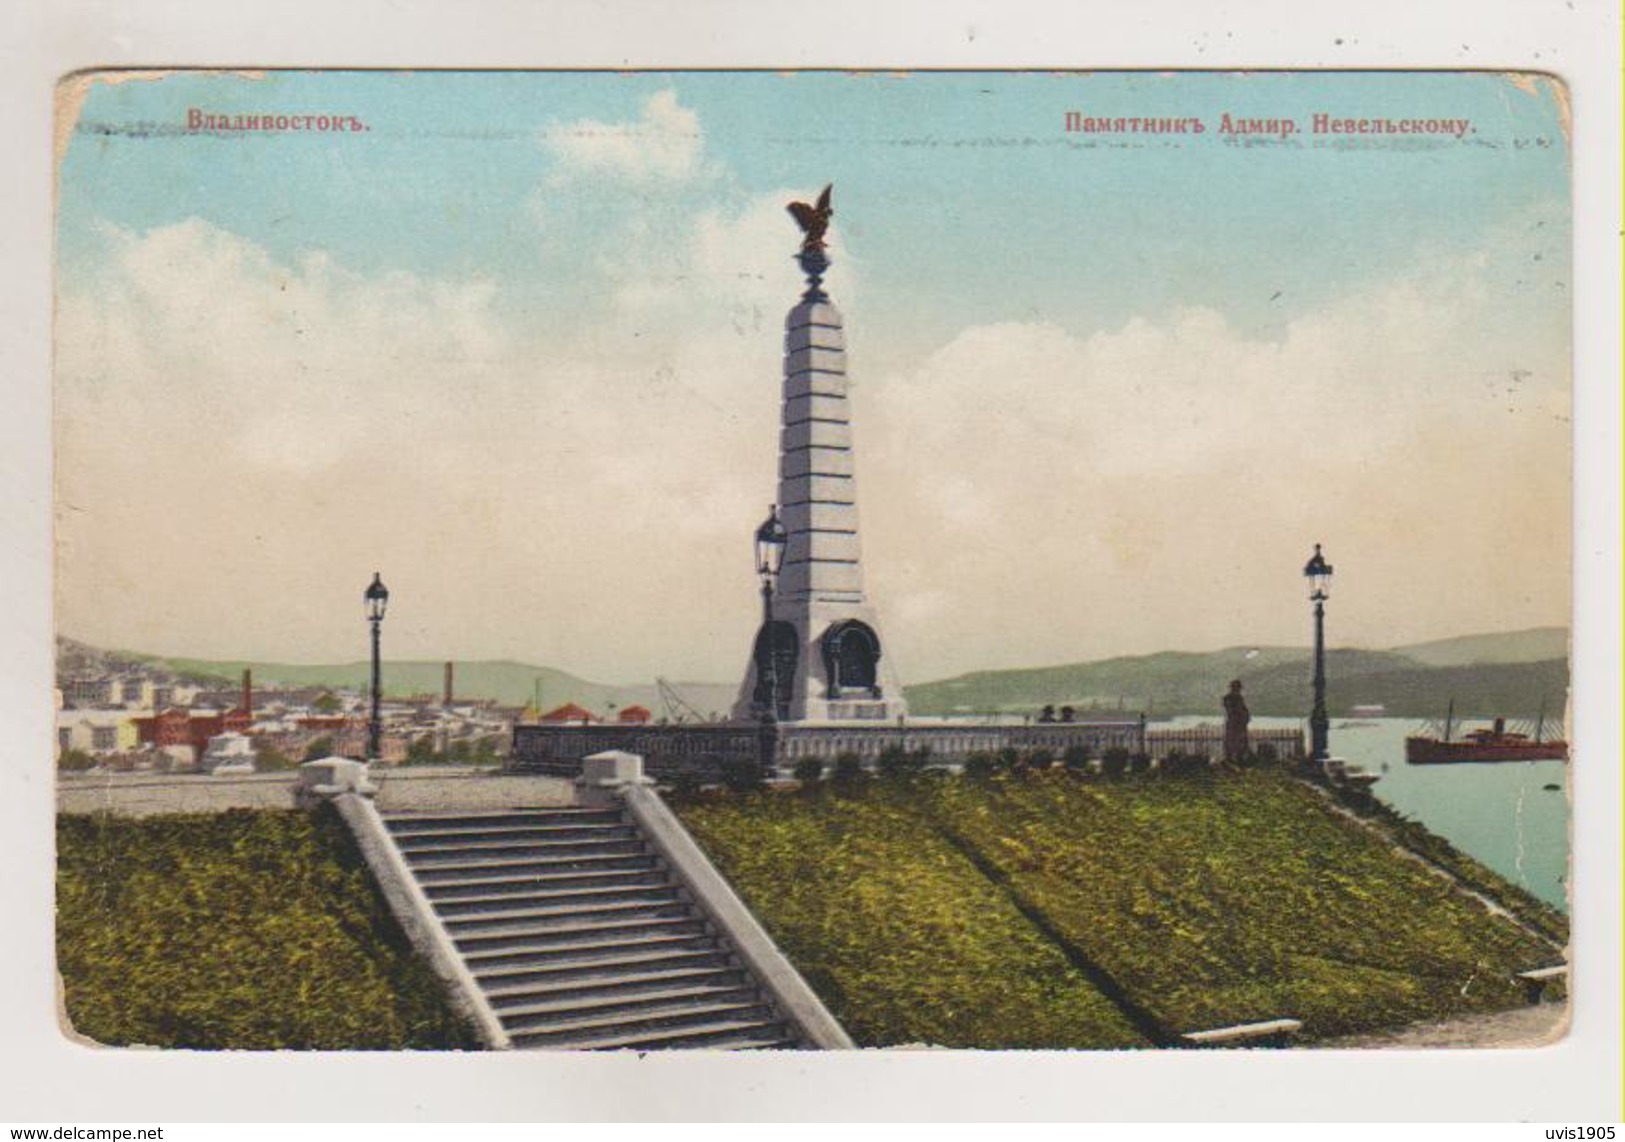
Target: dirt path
(1532,1026)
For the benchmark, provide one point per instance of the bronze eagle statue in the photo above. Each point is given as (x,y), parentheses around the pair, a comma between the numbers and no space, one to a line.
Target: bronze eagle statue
(813,220)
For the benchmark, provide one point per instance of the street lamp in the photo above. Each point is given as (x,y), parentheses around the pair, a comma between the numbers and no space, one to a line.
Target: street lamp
(771,540)
(1319,574)
(377,602)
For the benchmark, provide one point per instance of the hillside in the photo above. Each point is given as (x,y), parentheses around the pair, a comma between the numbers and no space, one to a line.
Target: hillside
(1051,910)
(1513,690)
(1512,674)
(1539,644)
(1277,683)
(511,683)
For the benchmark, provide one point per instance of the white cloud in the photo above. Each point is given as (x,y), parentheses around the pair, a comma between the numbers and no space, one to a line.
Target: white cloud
(733,267)
(664,142)
(238,436)
(191,332)
(241,437)
(1159,485)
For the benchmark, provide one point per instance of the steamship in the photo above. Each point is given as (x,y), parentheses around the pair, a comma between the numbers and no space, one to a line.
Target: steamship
(1494,744)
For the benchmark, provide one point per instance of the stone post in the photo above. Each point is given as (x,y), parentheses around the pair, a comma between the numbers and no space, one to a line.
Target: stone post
(330,777)
(605,776)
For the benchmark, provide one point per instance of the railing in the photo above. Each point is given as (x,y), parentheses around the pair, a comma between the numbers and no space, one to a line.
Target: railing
(668,750)
(345,784)
(793,998)
(1210,740)
(954,743)
(704,750)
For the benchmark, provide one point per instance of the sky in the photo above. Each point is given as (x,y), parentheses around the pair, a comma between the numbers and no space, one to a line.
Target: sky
(517,345)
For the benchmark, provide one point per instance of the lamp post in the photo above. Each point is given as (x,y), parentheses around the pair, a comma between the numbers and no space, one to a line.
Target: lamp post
(1319,574)
(771,540)
(377,602)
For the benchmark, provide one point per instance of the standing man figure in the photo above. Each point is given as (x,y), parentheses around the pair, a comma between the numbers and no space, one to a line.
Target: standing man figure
(1236,717)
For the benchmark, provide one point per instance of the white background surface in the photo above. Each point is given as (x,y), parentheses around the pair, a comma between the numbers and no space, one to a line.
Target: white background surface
(43,1078)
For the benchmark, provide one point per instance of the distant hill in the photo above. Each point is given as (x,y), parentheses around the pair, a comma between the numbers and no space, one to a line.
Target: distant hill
(1276,681)
(1169,682)
(511,683)
(1162,681)
(1538,644)
(1515,689)
(1512,674)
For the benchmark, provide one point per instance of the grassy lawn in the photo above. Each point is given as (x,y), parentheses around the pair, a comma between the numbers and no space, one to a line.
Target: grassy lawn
(922,911)
(896,930)
(245,930)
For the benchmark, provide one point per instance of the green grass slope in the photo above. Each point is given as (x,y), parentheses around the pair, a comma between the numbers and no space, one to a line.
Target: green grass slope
(1190,902)
(239,930)
(896,930)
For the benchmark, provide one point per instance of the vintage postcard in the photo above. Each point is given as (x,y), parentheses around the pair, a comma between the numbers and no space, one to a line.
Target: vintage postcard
(814,560)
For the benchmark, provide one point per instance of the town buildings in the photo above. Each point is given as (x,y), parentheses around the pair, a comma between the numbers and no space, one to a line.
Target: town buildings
(116,714)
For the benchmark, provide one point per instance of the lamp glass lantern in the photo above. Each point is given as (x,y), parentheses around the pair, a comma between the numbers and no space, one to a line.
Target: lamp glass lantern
(771,540)
(1319,574)
(377,599)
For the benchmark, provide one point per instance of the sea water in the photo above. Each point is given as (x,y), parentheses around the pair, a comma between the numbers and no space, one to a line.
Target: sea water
(1501,813)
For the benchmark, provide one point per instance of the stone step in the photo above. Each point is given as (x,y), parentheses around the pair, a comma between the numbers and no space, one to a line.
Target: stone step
(619,962)
(733,1034)
(567,814)
(583,956)
(544,939)
(436,852)
(547,883)
(624,982)
(412,822)
(579,935)
(569,916)
(529,897)
(766,1037)
(678,1016)
(444,872)
(414,838)
(547,1015)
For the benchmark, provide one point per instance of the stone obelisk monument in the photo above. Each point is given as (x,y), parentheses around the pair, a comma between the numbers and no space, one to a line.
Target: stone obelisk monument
(830,664)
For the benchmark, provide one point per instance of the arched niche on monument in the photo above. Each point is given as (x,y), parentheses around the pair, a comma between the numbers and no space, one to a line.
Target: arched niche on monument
(851,659)
(777,649)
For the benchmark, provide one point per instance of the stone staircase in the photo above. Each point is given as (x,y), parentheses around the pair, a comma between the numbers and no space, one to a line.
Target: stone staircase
(580,936)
